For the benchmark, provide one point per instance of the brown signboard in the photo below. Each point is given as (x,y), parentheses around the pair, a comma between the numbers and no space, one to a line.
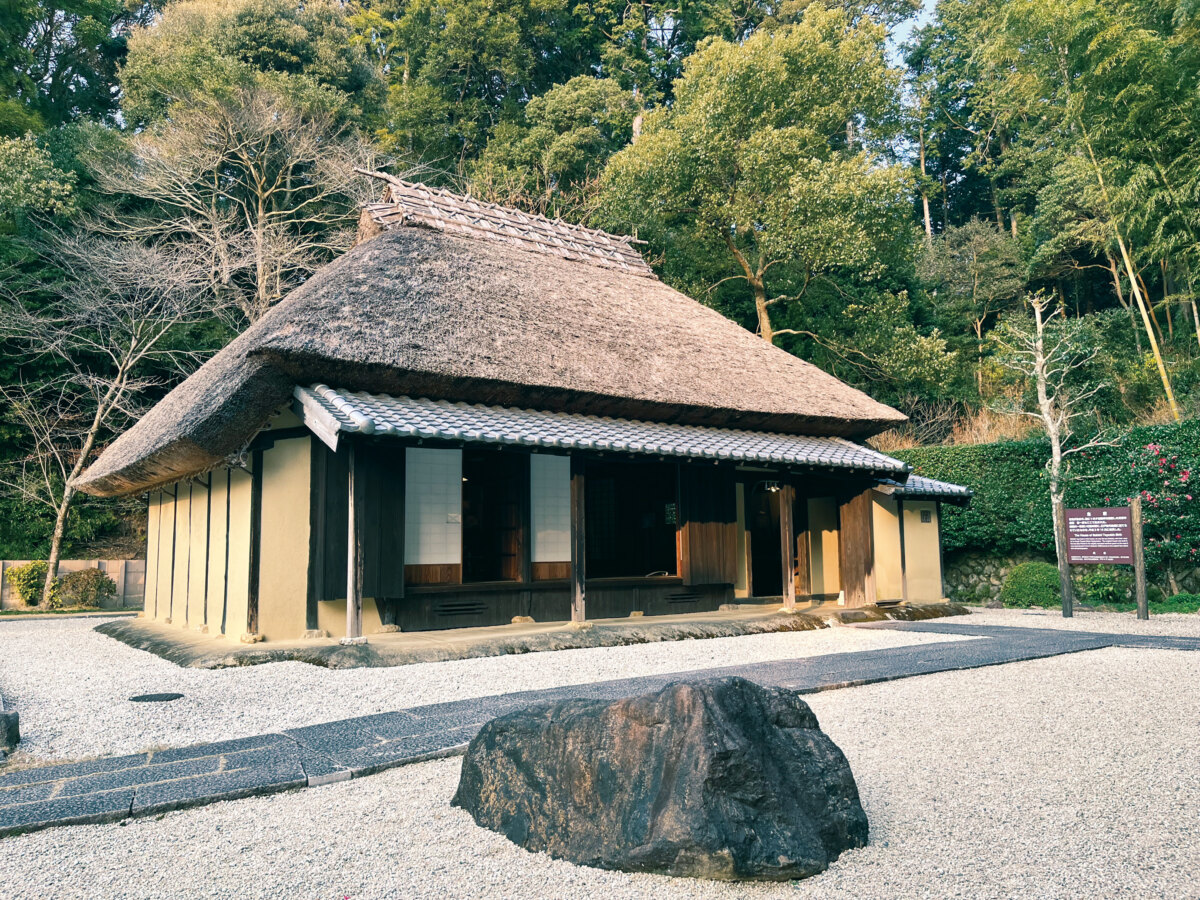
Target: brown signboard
(1103,535)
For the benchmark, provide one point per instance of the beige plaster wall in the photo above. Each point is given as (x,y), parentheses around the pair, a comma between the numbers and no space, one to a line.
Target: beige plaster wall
(177,607)
(152,544)
(825,571)
(239,553)
(218,545)
(197,554)
(885,524)
(283,567)
(331,617)
(922,552)
(166,534)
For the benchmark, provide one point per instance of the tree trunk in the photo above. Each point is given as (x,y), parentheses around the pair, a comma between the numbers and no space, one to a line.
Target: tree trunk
(56,540)
(1051,422)
(978,323)
(1058,510)
(924,192)
(764,313)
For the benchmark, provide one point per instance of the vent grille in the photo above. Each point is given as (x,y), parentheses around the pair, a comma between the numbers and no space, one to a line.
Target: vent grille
(460,608)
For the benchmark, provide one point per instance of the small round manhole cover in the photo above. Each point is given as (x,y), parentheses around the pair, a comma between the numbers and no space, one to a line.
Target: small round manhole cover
(155,698)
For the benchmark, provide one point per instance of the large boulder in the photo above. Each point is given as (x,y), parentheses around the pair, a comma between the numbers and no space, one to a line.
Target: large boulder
(712,779)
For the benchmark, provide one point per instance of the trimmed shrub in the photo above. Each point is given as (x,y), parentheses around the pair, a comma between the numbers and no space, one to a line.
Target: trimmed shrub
(1103,586)
(1032,584)
(87,587)
(28,580)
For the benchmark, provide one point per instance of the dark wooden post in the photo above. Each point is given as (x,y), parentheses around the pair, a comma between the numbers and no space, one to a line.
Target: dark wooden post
(1139,559)
(354,546)
(256,482)
(787,534)
(904,551)
(578,544)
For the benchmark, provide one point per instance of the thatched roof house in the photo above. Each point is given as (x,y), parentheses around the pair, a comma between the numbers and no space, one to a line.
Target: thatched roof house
(447,304)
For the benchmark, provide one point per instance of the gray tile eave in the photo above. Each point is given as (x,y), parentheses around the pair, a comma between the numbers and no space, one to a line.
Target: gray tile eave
(330,411)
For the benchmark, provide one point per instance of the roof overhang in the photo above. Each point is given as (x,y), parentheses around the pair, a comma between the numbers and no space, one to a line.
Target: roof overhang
(330,413)
(918,487)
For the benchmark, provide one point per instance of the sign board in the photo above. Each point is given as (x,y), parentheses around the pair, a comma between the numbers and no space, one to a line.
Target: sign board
(1102,535)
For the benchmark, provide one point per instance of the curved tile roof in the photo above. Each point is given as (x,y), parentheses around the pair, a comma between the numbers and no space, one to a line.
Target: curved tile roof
(330,411)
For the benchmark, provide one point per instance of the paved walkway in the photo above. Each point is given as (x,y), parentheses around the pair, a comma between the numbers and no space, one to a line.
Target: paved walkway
(115,788)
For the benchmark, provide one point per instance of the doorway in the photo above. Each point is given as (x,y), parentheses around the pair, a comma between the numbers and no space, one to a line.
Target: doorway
(763,542)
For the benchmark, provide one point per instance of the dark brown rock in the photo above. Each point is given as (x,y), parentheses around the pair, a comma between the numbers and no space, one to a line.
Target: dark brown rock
(714,779)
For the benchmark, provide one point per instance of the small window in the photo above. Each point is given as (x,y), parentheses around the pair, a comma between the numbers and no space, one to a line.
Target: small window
(631,520)
(926,516)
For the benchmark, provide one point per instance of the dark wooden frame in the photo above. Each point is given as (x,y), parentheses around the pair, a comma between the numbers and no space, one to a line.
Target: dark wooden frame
(256,479)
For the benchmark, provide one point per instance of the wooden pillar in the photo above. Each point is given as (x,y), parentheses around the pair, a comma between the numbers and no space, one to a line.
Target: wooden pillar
(787,535)
(856,548)
(904,551)
(937,511)
(354,546)
(256,463)
(578,542)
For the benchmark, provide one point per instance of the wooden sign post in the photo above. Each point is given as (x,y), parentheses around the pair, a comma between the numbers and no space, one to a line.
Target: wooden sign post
(1139,559)
(1110,536)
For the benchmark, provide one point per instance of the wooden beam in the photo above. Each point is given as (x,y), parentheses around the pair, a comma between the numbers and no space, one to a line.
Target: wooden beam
(903,551)
(787,535)
(578,542)
(354,545)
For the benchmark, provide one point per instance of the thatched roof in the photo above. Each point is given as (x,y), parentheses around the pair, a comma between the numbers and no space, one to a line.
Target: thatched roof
(418,204)
(428,313)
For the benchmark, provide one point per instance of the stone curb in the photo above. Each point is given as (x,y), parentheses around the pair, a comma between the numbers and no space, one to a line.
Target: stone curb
(10,729)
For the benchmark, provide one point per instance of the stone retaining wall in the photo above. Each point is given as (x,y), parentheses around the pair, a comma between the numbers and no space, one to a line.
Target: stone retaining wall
(976,577)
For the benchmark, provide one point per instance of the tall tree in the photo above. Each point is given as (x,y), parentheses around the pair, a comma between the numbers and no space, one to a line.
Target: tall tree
(546,161)
(753,162)
(61,60)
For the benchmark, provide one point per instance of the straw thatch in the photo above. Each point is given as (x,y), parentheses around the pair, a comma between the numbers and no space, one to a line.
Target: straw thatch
(426,313)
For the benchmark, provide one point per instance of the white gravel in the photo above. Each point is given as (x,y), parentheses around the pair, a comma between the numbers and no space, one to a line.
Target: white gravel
(71,685)
(1171,624)
(1067,777)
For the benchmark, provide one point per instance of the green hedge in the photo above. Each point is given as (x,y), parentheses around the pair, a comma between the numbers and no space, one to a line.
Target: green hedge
(1011,508)
(1032,584)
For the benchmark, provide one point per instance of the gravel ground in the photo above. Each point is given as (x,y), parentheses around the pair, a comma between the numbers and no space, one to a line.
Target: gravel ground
(71,685)
(1173,624)
(1066,777)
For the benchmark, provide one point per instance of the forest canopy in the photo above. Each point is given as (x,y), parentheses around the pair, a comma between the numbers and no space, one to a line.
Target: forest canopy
(875,187)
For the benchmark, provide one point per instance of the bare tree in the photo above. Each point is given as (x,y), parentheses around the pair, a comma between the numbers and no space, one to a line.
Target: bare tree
(262,191)
(1053,353)
(105,334)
